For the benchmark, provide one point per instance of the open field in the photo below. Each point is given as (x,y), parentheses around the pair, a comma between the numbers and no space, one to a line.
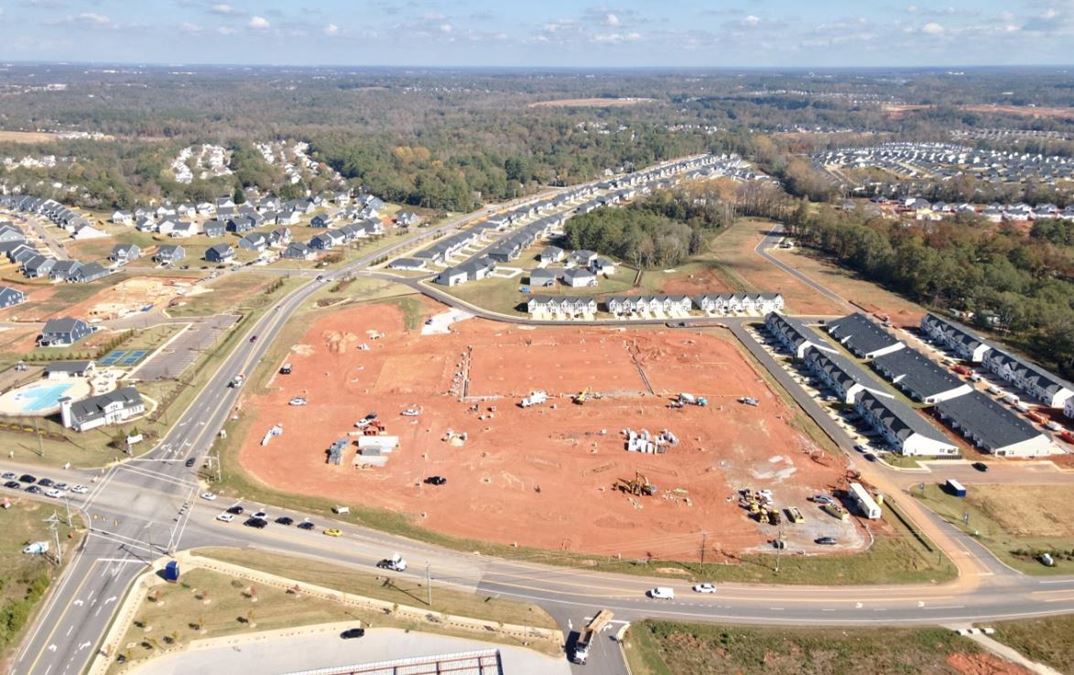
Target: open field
(1009,518)
(229,292)
(659,647)
(27,137)
(131,295)
(402,590)
(23,578)
(1049,641)
(591,103)
(860,292)
(734,250)
(722,447)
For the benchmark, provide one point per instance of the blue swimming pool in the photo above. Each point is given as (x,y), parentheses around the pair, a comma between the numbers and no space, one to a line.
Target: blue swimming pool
(41,397)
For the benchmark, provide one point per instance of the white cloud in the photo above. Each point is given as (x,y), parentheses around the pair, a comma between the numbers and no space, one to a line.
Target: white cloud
(223,8)
(188,27)
(611,20)
(94,19)
(259,23)
(331,29)
(615,38)
(446,28)
(932,28)
(751,20)
(225,30)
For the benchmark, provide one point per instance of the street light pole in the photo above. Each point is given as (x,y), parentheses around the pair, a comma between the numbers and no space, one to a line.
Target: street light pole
(428,585)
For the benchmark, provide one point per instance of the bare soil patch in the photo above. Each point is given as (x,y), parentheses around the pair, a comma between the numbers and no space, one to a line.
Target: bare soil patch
(541,476)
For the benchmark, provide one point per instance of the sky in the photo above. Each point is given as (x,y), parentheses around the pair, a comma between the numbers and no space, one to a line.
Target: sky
(536,33)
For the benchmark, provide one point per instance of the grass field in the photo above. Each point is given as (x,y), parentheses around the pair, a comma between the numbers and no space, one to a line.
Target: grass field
(23,578)
(659,648)
(503,295)
(401,591)
(1049,641)
(234,292)
(1008,518)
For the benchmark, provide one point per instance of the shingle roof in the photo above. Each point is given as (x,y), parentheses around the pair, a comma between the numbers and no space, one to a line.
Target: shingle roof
(860,335)
(916,374)
(900,418)
(93,407)
(994,425)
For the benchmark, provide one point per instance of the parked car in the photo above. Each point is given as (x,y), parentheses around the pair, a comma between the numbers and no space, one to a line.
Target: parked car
(13,484)
(54,493)
(285,520)
(208,496)
(236,509)
(261,514)
(306,525)
(226,517)
(257,523)
(34,490)
(704,588)
(189,463)
(8,475)
(45,482)
(351,633)
(826,541)
(435,480)
(662,593)
(821,499)
(333,532)
(980,466)
(80,489)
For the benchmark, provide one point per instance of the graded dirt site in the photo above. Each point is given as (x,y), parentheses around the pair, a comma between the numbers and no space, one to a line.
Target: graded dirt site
(543,476)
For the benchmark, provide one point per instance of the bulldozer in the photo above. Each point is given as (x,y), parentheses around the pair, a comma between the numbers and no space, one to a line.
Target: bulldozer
(639,485)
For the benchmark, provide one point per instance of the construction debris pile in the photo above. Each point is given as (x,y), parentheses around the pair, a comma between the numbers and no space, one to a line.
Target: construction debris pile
(641,441)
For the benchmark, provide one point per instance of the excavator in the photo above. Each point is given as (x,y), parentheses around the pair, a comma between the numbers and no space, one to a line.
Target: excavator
(639,485)
(582,397)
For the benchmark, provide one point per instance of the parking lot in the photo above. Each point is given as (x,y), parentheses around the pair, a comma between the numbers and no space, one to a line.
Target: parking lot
(173,358)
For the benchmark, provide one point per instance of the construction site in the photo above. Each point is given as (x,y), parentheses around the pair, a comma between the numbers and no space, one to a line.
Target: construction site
(136,294)
(638,443)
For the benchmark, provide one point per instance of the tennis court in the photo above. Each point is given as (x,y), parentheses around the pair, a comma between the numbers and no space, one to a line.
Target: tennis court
(123,357)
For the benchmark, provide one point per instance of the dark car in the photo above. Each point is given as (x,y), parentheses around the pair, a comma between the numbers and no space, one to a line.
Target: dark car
(13,484)
(258,523)
(435,480)
(27,478)
(253,338)
(826,541)
(189,463)
(285,520)
(352,633)
(980,466)
(34,490)
(306,525)
(371,415)
(237,510)
(779,543)
(45,482)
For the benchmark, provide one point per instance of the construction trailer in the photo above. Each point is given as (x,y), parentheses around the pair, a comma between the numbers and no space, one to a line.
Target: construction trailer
(589,633)
(335,451)
(864,501)
(536,398)
(955,488)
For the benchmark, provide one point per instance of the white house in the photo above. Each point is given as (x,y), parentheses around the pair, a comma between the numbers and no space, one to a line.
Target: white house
(96,411)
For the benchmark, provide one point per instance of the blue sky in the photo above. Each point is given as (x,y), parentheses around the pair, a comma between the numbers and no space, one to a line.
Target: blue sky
(711,33)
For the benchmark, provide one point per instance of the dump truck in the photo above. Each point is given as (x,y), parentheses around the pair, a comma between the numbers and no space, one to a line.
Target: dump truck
(535,398)
(588,634)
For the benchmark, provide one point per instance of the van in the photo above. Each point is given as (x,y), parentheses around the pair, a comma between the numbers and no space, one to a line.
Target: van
(662,593)
(340,510)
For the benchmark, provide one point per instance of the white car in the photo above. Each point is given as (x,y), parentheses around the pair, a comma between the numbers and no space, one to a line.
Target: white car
(79,489)
(226,517)
(54,493)
(704,588)
(208,496)
(298,400)
(8,476)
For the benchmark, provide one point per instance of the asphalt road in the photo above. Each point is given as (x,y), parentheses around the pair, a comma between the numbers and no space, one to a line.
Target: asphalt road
(148,506)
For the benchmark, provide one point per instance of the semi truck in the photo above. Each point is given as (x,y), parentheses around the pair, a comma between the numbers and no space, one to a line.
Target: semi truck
(955,488)
(589,633)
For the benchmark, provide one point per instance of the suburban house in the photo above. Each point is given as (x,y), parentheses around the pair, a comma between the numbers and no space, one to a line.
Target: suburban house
(322,220)
(58,370)
(542,278)
(183,229)
(841,375)
(902,427)
(91,271)
(115,407)
(1029,378)
(38,266)
(471,270)
(562,304)
(63,332)
(221,253)
(992,427)
(412,264)
(794,335)
(124,253)
(214,228)
(407,219)
(864,338)
(582,258)
(603,266)
(1068,409)
(959,339)
(10,296)
(579,277)
(296,250)
(169,255)
(122,218)
(254,241)
(920,378)
(239,225)
(551,254)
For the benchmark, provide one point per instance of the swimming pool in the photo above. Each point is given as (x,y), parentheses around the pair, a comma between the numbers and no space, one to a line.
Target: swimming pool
(41,397)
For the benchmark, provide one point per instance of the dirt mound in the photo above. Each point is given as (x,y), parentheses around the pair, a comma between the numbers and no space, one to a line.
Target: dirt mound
(984,664)
(339,342)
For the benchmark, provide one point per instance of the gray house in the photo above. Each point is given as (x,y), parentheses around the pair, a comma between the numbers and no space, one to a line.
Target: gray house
(63,332)
(221,253)
(124,253)
(11,296)
(169,255)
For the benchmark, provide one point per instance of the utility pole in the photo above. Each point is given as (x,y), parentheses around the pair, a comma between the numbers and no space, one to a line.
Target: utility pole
(429,585)
(40,444)
(704,541)
(779,548)
(67,504)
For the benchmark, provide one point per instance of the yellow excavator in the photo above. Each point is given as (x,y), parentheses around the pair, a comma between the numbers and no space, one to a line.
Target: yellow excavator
(583,396)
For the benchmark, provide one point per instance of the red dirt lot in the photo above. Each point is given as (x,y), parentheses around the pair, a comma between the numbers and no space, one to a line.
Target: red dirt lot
(542,476)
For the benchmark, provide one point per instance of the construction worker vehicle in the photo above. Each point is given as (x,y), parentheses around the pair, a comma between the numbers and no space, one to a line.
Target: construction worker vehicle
(690,399)
(795,515)
(586,636)
(581,397)
(836,511)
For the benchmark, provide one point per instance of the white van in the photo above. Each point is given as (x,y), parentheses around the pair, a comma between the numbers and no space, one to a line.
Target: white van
(662,593)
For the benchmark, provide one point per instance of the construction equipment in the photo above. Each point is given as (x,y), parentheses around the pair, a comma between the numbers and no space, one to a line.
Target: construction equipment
(639,485)
(774,517)
(535,398)
(586,635)
(836,511)
(583,396)
(795,515)
(690,399)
